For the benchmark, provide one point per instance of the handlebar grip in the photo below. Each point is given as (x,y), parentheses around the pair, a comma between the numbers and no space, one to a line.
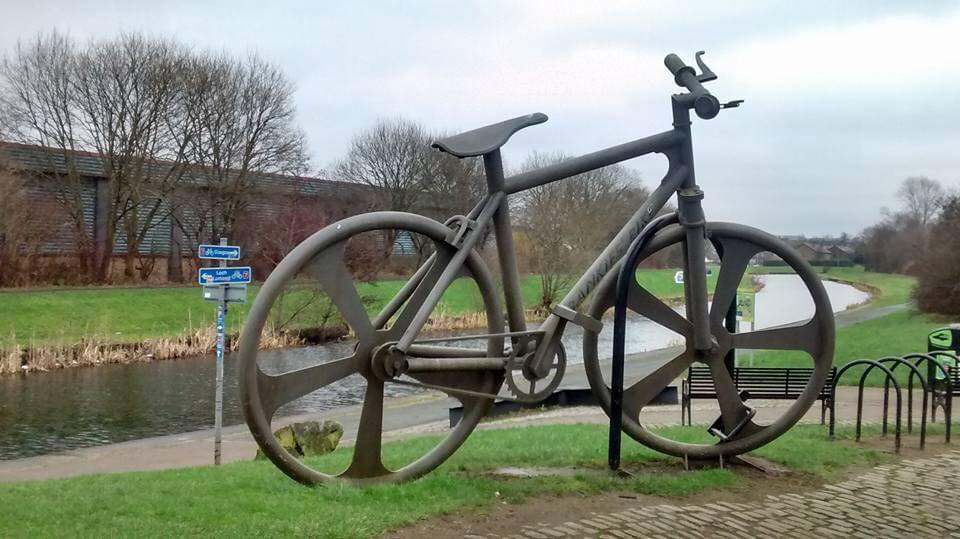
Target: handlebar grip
(674,64)
(683,74)
(705,105)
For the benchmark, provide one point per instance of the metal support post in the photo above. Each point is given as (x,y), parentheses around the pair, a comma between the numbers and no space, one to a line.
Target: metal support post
(221,338)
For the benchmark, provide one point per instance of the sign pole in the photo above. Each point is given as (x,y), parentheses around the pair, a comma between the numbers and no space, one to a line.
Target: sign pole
(222,284)
(221,338)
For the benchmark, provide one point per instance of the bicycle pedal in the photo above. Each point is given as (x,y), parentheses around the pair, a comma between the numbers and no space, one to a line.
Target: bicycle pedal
(716,428)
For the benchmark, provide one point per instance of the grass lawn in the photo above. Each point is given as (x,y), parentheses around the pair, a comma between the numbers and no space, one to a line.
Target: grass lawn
(131,314)
(112,314)
(895,334)
(254,498)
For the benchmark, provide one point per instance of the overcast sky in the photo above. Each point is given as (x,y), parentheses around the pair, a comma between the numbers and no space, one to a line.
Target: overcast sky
(843,99)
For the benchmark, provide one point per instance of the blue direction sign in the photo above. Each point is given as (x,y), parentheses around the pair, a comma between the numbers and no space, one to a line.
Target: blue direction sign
(220,252)
(237,275)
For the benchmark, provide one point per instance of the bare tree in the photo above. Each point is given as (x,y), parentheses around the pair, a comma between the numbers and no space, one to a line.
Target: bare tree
(902,237)
(451,185)
(238,127)
(149,111)
(112,98)
(38,100)
(395,158)
(125,92)
(567,223)
(921,198)
(20,226)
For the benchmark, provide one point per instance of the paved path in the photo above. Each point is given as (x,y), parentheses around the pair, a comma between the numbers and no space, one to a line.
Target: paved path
(405,418)
(402,417)
(861,314)
(913,498)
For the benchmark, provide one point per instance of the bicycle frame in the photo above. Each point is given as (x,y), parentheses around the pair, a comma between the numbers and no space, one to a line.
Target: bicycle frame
(494,209)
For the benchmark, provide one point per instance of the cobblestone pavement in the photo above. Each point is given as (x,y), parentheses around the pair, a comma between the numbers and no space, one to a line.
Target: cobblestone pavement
(912,498)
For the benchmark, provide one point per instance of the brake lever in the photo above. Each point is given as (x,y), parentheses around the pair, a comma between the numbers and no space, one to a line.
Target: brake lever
(732,104)
(706,74)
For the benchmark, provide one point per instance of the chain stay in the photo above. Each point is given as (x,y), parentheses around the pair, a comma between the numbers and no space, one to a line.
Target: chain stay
(466,392)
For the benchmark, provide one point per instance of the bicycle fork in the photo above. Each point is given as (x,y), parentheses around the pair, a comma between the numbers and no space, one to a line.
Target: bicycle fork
(690,213)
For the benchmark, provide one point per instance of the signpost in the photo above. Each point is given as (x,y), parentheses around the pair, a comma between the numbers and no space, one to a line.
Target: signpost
(223,285)
(225,275)
(219,252)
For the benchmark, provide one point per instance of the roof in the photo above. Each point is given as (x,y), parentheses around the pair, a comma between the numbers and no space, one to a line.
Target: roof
(843,249)
(813,247)
(53,160)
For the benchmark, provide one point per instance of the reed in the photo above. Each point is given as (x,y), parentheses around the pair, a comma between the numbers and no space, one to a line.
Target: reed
(89,352)
(25,358)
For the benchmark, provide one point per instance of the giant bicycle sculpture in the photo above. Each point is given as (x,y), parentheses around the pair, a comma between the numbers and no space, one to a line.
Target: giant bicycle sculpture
(531,362)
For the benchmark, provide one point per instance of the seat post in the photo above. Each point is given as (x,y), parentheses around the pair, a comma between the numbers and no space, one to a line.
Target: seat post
(493,168)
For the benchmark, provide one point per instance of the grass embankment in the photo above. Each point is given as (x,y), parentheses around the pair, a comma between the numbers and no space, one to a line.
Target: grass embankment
(895,334)
(250,498)
(885,288)
(76,326)
(48,329)
(133,314)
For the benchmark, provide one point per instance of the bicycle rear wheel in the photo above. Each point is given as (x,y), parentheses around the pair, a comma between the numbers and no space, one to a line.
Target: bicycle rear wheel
(328,260)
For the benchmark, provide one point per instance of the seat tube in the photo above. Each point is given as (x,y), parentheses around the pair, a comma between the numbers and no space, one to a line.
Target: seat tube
(493,167)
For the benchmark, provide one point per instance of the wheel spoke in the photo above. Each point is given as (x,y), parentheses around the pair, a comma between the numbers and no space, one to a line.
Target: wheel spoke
(647,388)
(642,302)
(803,337)
(732,408)
(367,459)
(733,264)
(277,390)
(330,269)
(441,258)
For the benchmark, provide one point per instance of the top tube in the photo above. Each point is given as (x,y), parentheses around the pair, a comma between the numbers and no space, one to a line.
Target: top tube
(659,143)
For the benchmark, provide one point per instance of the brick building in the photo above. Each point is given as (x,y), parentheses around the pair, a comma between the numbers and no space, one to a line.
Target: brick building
(174,223)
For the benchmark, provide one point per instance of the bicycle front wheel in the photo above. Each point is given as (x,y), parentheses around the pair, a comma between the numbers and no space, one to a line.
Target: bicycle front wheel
(807,344)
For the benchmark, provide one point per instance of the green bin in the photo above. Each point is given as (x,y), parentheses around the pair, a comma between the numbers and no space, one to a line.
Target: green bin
(946,339)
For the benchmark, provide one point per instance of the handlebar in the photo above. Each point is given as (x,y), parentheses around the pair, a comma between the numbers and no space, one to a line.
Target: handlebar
(702,101)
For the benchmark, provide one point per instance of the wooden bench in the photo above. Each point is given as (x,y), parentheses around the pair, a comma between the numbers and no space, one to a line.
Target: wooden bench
(776,383)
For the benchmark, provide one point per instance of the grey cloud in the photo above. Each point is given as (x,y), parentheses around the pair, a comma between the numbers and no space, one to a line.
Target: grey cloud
(820,155)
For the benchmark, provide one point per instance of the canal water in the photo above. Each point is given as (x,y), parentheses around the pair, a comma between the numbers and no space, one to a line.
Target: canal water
(82,407)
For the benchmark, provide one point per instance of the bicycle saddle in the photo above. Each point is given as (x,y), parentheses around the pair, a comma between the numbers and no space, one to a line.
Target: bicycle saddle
(487,139)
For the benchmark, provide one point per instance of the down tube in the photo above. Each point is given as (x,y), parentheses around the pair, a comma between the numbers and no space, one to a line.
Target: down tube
(613,252)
